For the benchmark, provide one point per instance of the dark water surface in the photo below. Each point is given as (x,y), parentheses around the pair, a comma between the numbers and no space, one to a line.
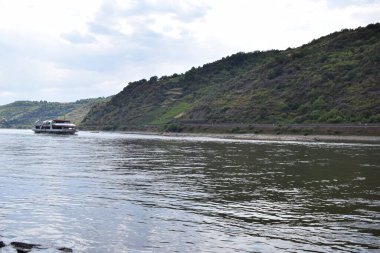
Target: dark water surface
(108,192)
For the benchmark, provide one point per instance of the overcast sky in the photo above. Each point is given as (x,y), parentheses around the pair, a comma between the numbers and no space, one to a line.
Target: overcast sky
(65,50)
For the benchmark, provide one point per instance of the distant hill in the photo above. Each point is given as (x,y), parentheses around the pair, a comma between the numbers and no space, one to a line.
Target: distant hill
(22,114)
(333,79)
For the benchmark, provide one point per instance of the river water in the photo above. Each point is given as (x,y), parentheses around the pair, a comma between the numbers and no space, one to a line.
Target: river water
(113,192)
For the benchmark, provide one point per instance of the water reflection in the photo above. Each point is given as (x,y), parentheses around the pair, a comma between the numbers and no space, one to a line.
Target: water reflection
(118,193)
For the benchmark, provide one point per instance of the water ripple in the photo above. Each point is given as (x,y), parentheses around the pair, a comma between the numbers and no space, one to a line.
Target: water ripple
(118,193)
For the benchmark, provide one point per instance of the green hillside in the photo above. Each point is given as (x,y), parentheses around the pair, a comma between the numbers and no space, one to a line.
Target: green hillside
(22,114)
(334,79)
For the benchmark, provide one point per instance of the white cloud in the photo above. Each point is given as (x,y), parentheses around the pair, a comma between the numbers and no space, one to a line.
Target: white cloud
(249,26)
(67,50)
(76,37)
(46,17)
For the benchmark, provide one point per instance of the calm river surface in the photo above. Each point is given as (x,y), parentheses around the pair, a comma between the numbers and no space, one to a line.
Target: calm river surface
(110,192)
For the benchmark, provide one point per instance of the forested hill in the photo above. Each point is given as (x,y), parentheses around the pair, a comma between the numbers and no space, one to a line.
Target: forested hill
(23,114)
(333,79)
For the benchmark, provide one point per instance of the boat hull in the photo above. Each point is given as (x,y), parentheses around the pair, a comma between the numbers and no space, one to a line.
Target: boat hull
(55,131)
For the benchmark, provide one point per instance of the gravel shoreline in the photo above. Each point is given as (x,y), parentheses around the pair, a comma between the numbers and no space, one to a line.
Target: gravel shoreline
(309,138)
(274,137)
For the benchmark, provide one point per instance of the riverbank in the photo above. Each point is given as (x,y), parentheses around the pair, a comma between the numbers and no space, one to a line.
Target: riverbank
(309,138)
(341,129)
(348,129)
(274,137)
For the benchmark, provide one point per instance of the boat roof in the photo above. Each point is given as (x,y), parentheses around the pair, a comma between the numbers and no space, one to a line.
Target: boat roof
(61,121)
(56,122)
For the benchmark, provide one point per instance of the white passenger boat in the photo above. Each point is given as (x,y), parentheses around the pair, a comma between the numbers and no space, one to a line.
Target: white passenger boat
(55,126)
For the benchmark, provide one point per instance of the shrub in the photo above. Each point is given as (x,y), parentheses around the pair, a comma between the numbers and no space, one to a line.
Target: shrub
(173,127)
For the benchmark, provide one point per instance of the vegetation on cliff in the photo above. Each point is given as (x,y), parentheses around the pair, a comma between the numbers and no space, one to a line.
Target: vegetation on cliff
(334,79)
(22,114)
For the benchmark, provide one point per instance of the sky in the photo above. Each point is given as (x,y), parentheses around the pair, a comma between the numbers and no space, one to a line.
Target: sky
(67,50)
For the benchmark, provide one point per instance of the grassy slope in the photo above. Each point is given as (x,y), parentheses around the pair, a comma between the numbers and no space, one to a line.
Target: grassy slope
(334,79)
(22,114)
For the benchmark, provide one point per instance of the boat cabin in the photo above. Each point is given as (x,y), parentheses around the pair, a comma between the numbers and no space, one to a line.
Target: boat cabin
(55,126)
